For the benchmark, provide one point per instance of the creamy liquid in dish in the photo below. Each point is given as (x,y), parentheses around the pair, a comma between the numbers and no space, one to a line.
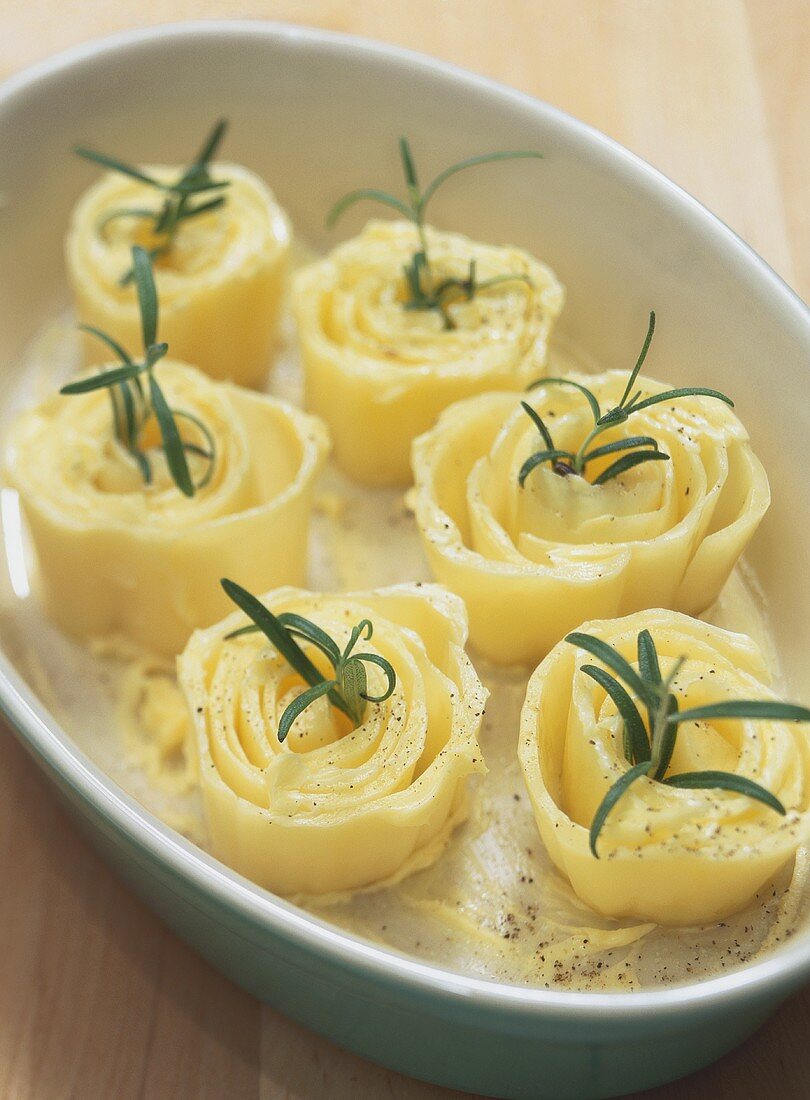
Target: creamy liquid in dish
(492,905)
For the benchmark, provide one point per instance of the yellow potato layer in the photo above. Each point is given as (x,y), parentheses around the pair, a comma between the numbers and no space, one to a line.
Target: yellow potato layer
(334,809)
(220,286)
(118,556)
(379,374)
(676,857)
(531,563)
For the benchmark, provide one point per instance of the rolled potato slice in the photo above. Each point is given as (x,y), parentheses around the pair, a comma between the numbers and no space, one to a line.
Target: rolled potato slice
(220,285)
(117,556)
(379,374)
(669,855)
(332,809)
(531,563)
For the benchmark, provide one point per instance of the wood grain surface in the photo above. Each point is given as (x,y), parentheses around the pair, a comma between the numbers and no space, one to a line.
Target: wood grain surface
(97,1000)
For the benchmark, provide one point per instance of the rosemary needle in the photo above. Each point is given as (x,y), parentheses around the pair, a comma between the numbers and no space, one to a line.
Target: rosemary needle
(347,689)
(179,199)
(631,451)
(134,404)
(425,292)
(648,748)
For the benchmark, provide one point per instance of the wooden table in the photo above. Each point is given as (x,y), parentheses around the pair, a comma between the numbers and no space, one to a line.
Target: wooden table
(97,1000)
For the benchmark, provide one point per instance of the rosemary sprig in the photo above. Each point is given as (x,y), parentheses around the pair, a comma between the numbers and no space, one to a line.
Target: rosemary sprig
(637,449)
(347,689)
(134,404)
(648,747)
(424,290)
(179,202)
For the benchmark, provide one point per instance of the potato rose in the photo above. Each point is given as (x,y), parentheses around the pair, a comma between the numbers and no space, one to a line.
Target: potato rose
(335,806)
(731,804)
(380,372)
(220,273)
(117,555)
(534,553)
